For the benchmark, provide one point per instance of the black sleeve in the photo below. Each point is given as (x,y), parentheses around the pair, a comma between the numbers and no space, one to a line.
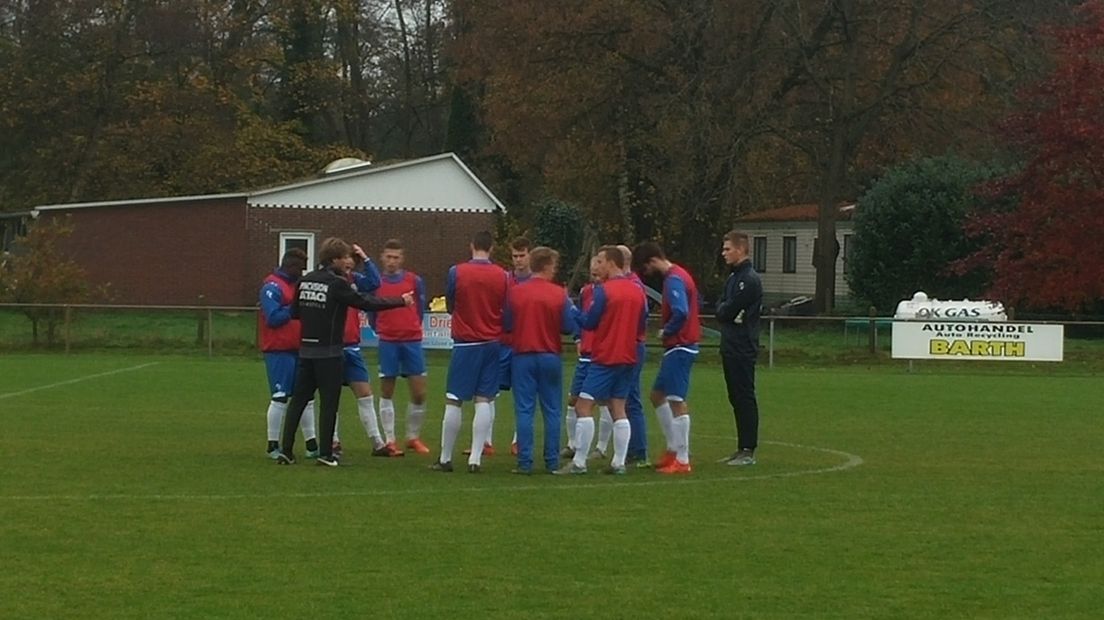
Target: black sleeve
(740,293)
(345,294)
(295,303)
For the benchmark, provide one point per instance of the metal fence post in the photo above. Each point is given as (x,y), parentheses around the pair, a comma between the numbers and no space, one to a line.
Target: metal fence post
(770,347)
(873,330)
(68,319)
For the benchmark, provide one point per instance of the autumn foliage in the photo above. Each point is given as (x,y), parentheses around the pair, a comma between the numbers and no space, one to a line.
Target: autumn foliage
(1045,245)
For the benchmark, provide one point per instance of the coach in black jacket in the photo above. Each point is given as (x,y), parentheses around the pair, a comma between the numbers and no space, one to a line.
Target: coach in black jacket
(321,302)
(738,314)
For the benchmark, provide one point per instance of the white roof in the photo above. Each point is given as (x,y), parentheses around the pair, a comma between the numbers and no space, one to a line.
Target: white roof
(436,183)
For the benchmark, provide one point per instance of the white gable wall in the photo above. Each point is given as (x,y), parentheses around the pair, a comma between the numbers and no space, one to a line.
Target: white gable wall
(440,183)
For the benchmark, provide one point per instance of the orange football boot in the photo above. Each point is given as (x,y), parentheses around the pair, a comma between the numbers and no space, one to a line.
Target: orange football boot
(675,468)
(417,446)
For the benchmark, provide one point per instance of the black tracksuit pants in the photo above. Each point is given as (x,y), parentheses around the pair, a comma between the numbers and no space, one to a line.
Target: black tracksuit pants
(323,375)
(739,373)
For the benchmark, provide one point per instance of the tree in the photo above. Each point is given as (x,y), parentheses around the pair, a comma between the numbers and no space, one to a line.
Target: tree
(909,231)
(1043,239)
(561,226)
(37,272)
(666,120)
(882,77)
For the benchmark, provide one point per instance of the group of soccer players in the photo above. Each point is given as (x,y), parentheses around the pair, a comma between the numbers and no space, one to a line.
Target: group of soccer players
(507,329)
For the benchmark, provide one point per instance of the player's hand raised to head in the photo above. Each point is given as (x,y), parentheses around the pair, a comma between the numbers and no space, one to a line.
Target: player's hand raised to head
(359,251)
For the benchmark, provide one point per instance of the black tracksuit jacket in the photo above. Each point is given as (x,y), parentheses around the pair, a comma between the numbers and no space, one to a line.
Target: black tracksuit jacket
(738,312)
(321,303)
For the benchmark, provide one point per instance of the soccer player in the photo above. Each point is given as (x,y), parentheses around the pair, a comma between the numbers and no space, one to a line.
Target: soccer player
(475,295)
(680,334)
(617,315)
(738,314)
(521,272)
(634,406)
(280,344)
(321,303)
(400,348)
(366,279)
(584,343)
(537,313)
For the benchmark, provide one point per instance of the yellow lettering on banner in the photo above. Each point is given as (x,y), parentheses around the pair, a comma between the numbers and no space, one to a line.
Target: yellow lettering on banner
(938,347)
(959,347)
(1015,349)
(979,348)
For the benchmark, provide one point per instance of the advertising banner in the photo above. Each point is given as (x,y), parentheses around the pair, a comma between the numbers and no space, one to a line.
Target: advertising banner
(977,341)
(436,331)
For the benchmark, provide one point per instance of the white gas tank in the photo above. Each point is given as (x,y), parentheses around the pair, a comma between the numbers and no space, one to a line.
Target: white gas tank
(922,308)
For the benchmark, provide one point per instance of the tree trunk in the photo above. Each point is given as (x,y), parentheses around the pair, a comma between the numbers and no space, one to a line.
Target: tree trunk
(408,85)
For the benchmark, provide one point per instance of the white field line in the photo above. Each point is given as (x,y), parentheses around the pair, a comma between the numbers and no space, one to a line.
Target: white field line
(850,461)
(77,380)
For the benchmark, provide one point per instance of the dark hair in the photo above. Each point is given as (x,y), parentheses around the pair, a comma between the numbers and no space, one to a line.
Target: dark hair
(332,249)
(521,243)
(645,252)
(482,241)
(295,258)
(736,238)
(392,244)
(542,257)
(612,254)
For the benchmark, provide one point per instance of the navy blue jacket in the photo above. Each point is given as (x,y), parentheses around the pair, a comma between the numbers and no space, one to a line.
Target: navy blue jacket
(738,312)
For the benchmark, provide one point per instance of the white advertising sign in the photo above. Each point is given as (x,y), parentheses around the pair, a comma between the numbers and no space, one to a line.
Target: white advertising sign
(929,340)
(436,331)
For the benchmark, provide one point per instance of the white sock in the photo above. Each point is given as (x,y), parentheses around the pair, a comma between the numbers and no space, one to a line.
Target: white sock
(514,440)
(681,428)
(572,419)
(415,416)
(664,415)
(276,413)
(450,429)
(621,433)
(337,426)
(387,418)
(605,429)
(481,431)
(584,432)
(307,422)
(366,407)
(490,426)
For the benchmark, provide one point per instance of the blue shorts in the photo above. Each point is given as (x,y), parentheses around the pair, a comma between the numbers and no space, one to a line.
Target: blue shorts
(401,359)
(674,373)
(473,371)
(581,369)
(356,371)
(280,367)
(606,382)
(505,367)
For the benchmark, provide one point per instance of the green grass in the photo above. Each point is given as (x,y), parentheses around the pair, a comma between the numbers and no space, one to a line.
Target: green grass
(146,494)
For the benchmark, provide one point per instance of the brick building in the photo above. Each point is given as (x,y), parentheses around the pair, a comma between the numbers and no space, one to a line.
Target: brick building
(217,248)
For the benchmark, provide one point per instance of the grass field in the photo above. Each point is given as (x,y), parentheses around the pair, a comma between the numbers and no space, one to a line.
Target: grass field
(135,486)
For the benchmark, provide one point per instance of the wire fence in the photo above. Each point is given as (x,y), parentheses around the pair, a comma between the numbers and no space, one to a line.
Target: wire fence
(234,330)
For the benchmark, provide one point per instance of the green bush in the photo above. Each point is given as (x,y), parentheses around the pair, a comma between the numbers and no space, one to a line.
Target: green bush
(909,228)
